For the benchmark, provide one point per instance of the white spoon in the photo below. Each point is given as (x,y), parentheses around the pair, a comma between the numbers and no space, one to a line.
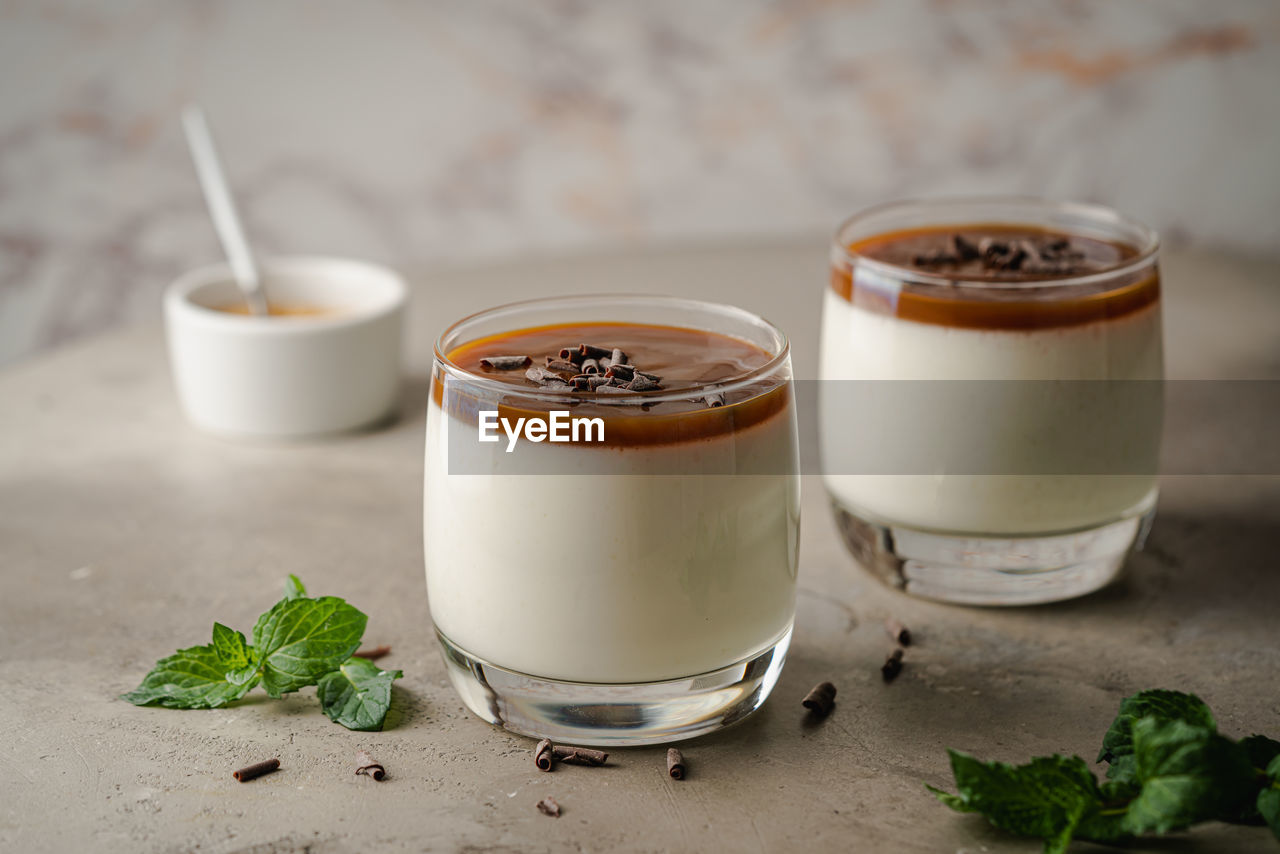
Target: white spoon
(222,208)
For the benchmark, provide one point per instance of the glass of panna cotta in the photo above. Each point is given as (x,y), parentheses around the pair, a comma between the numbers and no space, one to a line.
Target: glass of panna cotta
(612,511)
(990,406)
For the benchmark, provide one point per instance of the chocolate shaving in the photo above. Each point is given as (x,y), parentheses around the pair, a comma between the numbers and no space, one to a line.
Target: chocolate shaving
(505,363)
(591,366)
(966,249)
(365,765)
(542,755)
(372,654)
(561,366)
(714,399)
(579,755)
(897,631)
(546,379)
(820,700)
(253,772)
(590,351)
(548,806)
(675,764)
(622,372)
(581,382)
(892,665)
(572,355)
(617,357)
(640,382)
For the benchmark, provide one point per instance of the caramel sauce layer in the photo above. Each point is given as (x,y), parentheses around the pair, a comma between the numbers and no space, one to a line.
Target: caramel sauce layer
(685,360)
(986,291)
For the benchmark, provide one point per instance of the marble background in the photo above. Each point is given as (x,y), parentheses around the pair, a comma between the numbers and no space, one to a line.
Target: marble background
(430,133)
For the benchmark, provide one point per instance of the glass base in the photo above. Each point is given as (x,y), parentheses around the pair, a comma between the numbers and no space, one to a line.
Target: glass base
(620,715)
(1012,570)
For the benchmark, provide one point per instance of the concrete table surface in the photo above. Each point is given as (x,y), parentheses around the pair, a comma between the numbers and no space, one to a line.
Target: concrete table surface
(124,533)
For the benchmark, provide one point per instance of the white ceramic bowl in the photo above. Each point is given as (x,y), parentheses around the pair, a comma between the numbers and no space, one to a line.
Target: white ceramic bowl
(288,376)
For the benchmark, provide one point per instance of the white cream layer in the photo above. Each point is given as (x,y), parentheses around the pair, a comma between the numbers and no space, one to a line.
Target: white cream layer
(858,344)
(604,573)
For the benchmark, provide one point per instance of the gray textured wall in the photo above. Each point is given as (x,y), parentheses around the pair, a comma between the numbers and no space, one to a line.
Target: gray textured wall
(421,133)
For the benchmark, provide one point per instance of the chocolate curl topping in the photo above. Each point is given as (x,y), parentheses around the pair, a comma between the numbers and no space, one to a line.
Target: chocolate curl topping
(505,363)
(622,372)
(545,378)
(572,355)
(640,382)
(253,772)
(892,665)
(579,755)
(367,766)
(548,806)
(591,366)
(714,399)
(589,351)
(820,700)
(617,357)
(373,653)
(675,764)
(900,633)
(561,366)
(542,755)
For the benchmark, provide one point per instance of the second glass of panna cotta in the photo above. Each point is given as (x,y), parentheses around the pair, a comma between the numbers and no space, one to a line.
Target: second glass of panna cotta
(633,580)
(990,405)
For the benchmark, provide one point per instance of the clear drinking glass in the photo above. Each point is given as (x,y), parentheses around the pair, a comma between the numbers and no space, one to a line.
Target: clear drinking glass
(632,591)
(990,441)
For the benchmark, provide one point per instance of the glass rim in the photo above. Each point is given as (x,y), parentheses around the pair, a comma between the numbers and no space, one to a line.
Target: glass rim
(776,361)
(1101,215)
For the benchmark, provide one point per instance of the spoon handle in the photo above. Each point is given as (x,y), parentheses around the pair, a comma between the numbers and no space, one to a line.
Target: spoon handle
(222,208)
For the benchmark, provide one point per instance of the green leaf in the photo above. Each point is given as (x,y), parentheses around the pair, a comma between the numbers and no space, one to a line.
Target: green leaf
(1046,798)
(293,588)
(1117,744)
(300,640)
(1260,750)
(192,678)
(1269,808)
(358,694)
(229,645)
(1188,773)
(956,802)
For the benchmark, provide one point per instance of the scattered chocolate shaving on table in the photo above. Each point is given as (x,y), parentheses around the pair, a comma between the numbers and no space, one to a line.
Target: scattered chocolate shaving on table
(820,700)
(579,755)
(256,770)
(897,631)
(543,755)
(367,766)
(675,764)
(372,654)
(892,665)
(505,363)
(548,806)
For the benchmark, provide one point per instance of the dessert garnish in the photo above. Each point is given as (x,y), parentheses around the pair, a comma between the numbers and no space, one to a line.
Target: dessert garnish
(821,699)
(590,368)
(367,766)
(900,633)
(892,665)
(1170,768)
(675,764)
(505,363)
(256,770)
(1048,254)
(542,755)
(373,653)
(299,642)
(579,755)
(548,806)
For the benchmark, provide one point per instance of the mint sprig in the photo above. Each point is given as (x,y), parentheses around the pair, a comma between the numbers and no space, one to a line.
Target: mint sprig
(299,642)
(1169,768)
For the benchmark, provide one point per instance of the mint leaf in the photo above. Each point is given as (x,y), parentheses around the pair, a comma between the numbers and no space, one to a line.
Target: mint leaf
(1269,808)
(192,678)
(1188,773)
(230,647)
(1046,798)
(1117,744)
(300,640)
(293,588)
(956,802)
(1260,751)
(358,694)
